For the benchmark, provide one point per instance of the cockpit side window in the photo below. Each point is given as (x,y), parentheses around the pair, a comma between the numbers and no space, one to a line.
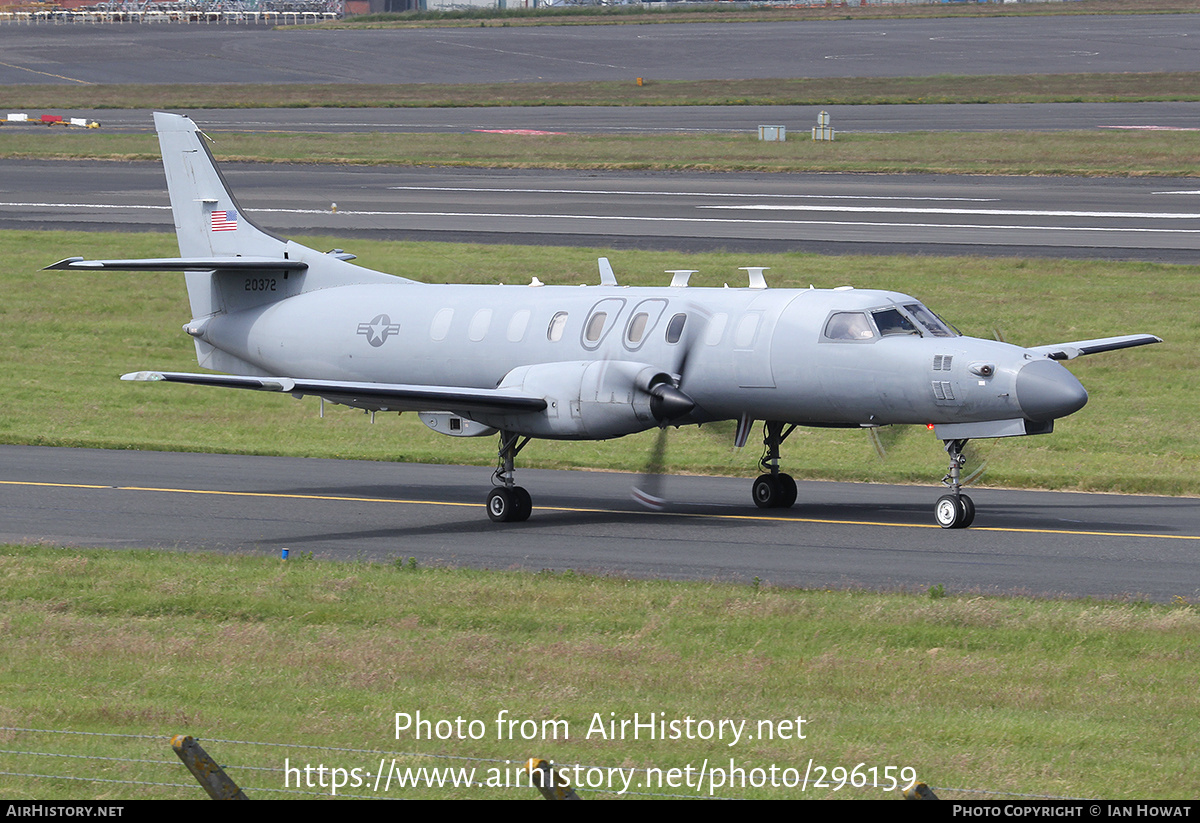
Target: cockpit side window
(849,325)
(891,321)
(930,321)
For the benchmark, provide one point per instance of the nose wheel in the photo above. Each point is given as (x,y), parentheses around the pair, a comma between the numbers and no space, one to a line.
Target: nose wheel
(954,510)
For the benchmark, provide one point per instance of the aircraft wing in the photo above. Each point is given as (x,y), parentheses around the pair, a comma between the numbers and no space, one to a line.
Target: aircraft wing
(375,396)
(180,264)
(1069,351)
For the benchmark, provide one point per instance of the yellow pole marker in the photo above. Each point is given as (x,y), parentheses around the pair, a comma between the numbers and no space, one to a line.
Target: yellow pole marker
(551,782)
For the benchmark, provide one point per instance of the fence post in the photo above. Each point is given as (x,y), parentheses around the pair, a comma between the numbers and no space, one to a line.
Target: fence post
(212,778)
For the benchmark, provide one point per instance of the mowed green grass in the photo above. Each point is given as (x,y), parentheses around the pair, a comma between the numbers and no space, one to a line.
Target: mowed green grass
(1009,696)
(65,338)
(1098,152)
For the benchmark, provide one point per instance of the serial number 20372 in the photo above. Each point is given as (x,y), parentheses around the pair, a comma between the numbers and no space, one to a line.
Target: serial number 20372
(260,284)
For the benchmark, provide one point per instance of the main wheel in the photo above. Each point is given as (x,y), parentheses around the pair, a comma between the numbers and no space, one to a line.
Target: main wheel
(524,504)
(948,512)
(787,491)
(766,491)
(501,505)
(509,505)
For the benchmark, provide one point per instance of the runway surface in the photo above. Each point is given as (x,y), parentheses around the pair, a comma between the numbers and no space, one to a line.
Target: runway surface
(1114,218)
(838,535)
(700,51)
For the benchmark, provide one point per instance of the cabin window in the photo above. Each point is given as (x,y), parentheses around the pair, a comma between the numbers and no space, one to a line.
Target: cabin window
(479,325)
(557,323)
(637,328)
(716,329)
(849,325)
(675,328)
(441,325)
(600,321)
(517,326)
(747,330)
(642,320)
(595,327)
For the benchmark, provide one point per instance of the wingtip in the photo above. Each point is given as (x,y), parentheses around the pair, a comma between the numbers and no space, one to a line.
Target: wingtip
(143,376)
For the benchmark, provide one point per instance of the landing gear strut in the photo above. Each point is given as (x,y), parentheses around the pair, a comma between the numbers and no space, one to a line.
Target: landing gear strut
(774,490)
(508,502)
(954,510)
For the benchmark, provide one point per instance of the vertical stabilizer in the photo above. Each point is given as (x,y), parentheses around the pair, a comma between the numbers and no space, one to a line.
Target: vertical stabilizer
(208,220)
(210,225)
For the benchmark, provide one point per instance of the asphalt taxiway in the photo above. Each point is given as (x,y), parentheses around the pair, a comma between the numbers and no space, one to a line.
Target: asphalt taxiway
(839,535)
(132,53)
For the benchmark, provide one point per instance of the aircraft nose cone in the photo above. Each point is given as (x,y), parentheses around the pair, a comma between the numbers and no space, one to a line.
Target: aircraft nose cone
(1047,391)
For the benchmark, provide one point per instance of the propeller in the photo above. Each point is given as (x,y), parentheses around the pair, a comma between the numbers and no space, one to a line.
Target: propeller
(668,403)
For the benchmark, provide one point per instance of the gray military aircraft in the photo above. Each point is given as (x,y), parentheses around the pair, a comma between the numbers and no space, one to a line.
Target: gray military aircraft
(586,363)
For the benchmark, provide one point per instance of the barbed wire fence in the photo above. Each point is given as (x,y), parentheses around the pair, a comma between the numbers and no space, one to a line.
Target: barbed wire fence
(52,761)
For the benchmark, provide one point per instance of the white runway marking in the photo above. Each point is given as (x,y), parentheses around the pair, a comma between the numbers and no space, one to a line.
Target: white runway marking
(692,194)
(712,220)
(1141,215)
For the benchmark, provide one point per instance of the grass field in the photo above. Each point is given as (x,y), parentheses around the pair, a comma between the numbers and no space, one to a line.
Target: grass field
(845,91)
(743,13)
(1125,153)
(1008,696)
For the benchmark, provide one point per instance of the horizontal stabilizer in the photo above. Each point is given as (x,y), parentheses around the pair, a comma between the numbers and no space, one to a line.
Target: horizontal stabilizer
(1069,351)
(375,396)
(183,264)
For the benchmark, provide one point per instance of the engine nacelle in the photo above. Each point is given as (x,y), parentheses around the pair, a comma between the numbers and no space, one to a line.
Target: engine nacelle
(584,399)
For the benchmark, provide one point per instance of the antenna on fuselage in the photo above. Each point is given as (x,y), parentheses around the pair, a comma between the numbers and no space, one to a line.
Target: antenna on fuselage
(680,277)
(757,281)
(607,277)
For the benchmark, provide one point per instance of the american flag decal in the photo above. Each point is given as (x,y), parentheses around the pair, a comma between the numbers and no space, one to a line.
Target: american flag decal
(224,220)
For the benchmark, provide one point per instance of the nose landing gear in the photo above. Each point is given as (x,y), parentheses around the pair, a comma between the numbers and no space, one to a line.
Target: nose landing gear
(955,510)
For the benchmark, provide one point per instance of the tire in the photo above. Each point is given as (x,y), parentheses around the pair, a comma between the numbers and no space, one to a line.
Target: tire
(968,509)
(947,512)
(787,491)
(501,505)
(766,492)
(523,503)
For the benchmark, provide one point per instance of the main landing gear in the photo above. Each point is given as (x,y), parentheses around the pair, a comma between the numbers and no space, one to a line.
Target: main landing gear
(508,502)
(774,490)
(954,510)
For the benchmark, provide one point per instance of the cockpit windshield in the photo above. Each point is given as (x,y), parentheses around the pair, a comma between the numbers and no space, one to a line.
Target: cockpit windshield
(891,321)
(929,321)
(912,318)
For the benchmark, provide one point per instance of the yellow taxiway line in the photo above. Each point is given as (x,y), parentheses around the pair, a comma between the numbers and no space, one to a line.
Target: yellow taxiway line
(758,518)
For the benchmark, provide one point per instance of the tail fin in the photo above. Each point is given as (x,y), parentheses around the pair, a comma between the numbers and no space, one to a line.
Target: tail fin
(208,220)
(211,226)
(230,264)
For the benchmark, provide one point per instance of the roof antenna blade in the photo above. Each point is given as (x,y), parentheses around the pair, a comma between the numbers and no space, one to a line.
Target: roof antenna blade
(607,278)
